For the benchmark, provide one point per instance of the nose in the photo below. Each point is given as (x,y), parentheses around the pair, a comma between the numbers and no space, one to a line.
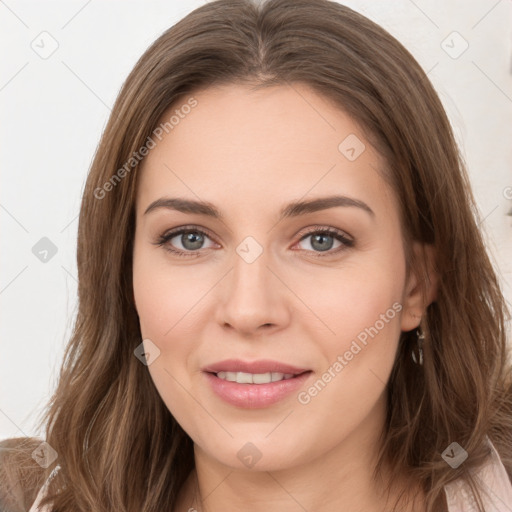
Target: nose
(253,297)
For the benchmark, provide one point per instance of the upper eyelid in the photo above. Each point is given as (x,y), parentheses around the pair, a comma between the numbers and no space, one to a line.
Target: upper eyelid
(176,231)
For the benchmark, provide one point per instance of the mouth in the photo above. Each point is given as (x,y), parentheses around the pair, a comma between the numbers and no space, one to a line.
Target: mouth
(260,367)
(256,378)
(255,389)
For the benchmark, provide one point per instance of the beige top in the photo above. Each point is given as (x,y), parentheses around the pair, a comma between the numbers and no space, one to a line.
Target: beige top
(492,475)
(493,478)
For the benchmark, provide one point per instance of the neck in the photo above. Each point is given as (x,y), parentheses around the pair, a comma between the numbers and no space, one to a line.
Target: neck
(269,491)
(340,479)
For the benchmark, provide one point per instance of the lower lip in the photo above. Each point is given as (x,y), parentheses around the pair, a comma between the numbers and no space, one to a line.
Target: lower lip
(255,396)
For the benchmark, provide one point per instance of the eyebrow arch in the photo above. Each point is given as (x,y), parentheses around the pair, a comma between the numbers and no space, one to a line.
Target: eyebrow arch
(293,209)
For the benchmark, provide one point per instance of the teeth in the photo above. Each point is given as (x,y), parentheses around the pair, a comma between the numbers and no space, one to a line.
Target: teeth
(254,378)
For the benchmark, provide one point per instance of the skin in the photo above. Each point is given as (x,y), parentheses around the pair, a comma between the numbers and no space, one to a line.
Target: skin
(250,153)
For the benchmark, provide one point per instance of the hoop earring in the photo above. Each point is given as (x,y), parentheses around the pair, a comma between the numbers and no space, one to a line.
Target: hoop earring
(420,340)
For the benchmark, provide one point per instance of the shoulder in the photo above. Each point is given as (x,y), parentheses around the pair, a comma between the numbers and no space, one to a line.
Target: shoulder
(21,477)
(494,484)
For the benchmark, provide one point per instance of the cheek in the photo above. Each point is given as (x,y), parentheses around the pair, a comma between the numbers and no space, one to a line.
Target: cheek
(347,301)
(366,301)
(164,295)
(358,351)
(164,304)
(360,310)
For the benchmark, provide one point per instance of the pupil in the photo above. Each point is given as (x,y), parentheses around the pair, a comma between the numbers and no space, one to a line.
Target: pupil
(194,239)
(322,247)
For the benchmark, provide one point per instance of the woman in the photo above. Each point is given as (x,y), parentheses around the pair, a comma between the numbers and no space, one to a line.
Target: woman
(284,299)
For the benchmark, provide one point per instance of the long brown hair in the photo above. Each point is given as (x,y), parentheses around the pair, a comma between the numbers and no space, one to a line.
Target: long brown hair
(118,445)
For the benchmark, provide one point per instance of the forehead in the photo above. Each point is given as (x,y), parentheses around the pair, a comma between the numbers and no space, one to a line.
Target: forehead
(259,147)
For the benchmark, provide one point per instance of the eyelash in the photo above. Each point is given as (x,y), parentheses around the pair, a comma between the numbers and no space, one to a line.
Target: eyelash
(339,235)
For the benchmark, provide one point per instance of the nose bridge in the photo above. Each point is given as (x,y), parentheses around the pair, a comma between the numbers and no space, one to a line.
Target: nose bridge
(251,276)
(253,296)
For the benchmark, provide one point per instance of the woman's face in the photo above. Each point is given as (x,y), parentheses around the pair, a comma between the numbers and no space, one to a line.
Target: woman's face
(256,285)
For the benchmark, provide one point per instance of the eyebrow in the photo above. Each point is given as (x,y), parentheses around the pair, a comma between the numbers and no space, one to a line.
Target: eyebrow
(293,209)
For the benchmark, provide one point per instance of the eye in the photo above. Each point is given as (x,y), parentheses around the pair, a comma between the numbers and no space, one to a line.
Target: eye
(322,240)
(192,239)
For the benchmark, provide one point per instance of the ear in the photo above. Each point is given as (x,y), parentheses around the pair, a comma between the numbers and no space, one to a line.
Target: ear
(421,286)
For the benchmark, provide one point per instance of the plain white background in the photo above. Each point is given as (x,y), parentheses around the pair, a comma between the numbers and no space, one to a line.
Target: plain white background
(54,108)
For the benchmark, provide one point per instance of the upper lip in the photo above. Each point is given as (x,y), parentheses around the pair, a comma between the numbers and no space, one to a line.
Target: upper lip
(260,366)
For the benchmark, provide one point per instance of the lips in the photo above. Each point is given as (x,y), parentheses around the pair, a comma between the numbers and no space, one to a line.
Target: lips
(255,367)
(256,396)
